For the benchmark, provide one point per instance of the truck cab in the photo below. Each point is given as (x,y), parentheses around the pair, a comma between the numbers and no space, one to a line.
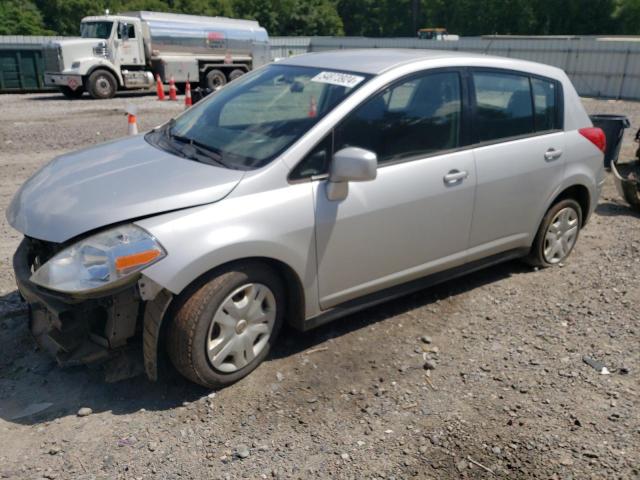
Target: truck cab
(440,34)
(124,34)
(108,56)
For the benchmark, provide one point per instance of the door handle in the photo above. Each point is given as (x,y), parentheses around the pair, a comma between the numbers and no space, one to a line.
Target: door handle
(552,154)
(455,176)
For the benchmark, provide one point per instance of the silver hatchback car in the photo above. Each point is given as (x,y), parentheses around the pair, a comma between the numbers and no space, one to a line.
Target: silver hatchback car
(302,192)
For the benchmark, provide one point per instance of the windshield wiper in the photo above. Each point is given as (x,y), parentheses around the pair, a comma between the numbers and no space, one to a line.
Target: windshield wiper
(199,148)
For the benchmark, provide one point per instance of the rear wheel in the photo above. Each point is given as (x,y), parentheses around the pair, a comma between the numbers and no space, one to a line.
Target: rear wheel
(102,84)
(557,234)
(225,328)
(72,94)
(237,73)
(215,79)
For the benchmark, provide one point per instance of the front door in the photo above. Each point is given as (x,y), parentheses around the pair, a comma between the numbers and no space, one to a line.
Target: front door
(128,41)
(415,217)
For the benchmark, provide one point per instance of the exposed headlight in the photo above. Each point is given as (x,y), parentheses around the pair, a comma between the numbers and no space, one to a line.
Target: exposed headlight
(104,260)
(75,65)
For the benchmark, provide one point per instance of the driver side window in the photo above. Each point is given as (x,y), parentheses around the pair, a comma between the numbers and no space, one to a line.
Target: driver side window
(131,30)
(414,118)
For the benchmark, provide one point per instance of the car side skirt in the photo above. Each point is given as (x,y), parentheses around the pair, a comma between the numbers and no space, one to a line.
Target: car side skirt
(353,306)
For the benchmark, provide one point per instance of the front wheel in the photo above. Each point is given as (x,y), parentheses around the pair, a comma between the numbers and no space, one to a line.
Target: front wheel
(224,329)
(557,235)
(102,84)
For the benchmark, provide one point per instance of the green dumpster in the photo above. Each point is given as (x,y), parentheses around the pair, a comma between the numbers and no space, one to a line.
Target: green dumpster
(21,68)
(22,62)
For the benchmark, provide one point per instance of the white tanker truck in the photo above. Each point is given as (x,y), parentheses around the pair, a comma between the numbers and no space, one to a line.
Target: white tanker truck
(126,51)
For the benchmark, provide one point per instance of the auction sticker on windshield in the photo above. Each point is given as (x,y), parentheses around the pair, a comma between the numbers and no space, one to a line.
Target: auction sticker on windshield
(338,78)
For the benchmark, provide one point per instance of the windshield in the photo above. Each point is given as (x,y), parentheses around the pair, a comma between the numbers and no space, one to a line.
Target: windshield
(96,29)
(254,119)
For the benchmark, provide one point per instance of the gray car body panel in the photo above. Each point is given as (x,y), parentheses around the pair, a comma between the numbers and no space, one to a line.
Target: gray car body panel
(113,182)
(345,249)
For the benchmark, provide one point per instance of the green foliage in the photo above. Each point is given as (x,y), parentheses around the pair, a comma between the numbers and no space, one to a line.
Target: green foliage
(627,14)
(351,17)
(212,8)
(19,17)
(292,17)
(63,16)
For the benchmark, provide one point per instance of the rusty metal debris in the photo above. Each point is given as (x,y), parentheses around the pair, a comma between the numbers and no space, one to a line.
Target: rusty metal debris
(627,179)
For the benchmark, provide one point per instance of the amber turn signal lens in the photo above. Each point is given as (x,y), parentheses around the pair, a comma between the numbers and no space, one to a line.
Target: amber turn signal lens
(136,259)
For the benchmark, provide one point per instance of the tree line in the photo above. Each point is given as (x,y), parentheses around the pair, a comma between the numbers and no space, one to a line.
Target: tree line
(375,18)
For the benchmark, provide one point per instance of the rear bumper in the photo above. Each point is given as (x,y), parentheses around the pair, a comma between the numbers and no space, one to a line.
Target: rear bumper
(63,80)
(76,331)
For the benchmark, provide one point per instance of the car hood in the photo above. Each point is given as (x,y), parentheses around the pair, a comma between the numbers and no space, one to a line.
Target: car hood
(110,183)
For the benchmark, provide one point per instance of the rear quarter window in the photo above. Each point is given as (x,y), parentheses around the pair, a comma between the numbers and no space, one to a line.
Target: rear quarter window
(545,100)
(511,104)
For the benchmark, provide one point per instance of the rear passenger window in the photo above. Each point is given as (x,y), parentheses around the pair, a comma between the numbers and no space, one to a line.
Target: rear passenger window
(544,100)
(503,106)
(414,118)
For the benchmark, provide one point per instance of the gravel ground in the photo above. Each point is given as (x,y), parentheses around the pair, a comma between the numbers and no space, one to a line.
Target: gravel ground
(508,396)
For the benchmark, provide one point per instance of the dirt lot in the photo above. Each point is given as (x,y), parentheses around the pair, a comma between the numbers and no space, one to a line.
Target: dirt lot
(509,396)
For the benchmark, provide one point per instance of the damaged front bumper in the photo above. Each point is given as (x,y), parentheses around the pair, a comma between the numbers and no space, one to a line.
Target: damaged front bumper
(78,330)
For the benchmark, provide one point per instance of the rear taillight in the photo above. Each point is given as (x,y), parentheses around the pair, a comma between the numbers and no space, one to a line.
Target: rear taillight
(596,136)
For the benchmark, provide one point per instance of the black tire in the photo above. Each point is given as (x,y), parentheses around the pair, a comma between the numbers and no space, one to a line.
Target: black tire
(72,94)
(188,331)
(101,84)
(237,73)
(215,79)
(537,256)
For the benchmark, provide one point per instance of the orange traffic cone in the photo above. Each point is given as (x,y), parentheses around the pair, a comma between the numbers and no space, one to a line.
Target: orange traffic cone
(172,89)
(313,107)
(159,88)
(187,95)
(133,124)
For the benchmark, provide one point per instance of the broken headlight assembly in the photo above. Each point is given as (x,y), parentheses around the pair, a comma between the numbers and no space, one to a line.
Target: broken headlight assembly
(102,261)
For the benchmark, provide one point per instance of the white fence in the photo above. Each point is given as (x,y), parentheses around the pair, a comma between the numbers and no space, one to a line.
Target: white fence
(598,67)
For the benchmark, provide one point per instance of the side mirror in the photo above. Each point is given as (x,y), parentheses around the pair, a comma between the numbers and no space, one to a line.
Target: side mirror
(124,31)
(351,164)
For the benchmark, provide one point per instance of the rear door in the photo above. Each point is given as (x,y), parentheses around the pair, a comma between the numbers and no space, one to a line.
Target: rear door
(517,126)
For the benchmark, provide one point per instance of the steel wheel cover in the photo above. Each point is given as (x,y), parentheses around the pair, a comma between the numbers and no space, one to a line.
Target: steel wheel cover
(103,85)
(561,235)
(241,327)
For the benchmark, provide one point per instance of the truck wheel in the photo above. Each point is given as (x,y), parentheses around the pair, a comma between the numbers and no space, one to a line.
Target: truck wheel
(102,84)
(237,73)
(215,79)
(72,94)
(223,329)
